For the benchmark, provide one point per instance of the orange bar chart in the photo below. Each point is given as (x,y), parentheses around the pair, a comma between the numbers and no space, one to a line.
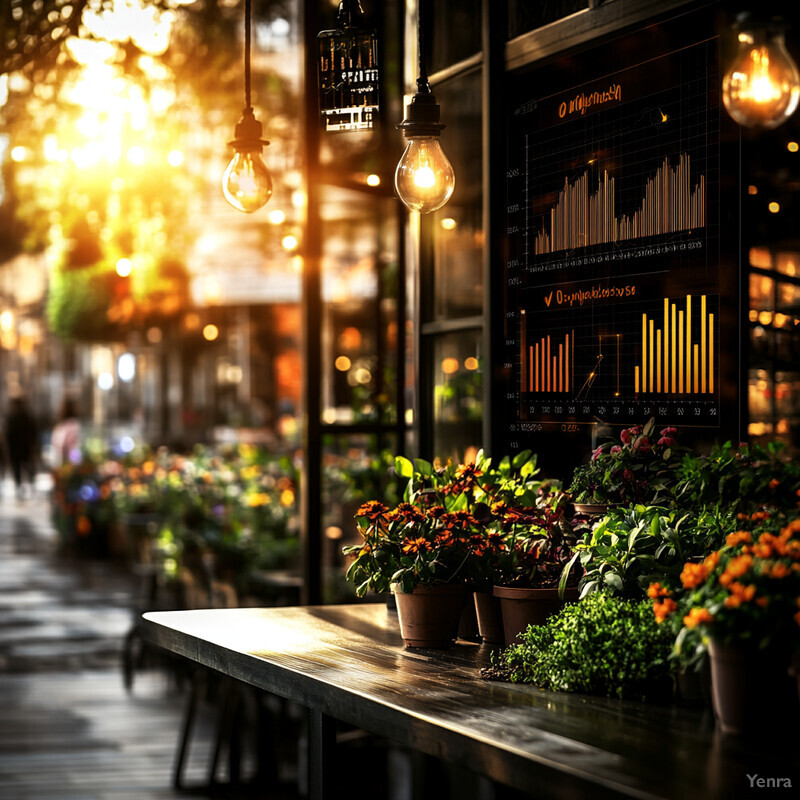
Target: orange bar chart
(550,365)
(675,357)
(585,213)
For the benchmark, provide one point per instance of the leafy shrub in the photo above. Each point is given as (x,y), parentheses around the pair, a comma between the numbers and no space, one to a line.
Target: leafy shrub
(633,547)
(603,645)
(744,478)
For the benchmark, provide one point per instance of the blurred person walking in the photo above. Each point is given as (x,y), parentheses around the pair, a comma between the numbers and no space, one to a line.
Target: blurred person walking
(21,444)
(66,436)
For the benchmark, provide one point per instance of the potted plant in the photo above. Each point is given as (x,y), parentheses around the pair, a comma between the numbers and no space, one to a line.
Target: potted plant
(639,467)
(527,567)
(743,603)
(484,489)
(422,553)
(604,645)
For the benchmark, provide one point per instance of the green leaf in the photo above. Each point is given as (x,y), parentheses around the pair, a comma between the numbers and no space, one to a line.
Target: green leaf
(562,582)
(613,580)
(461,503)
(403,467)
(425,468)
(520,458)
(648,429)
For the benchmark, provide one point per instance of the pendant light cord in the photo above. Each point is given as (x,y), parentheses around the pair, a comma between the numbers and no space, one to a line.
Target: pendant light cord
(247,54)
(422,80)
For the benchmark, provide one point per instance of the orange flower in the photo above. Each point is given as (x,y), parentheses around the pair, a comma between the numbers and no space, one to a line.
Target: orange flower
(663,609)
(741,591)
(420,545)
(693,575)
(735,569)
(762,602)
(779,570)
(374,510)
(774,483)
(656,590)
(710,561)
(697,616)
(739,536)
(797,617)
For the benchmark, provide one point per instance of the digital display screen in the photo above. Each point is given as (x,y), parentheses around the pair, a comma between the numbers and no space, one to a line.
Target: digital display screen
(613,286)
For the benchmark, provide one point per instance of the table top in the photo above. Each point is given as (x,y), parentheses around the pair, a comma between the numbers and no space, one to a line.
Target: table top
(349,662)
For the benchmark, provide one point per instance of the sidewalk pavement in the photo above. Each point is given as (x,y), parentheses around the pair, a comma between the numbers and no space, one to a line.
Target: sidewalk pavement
(55,613)
(69,729)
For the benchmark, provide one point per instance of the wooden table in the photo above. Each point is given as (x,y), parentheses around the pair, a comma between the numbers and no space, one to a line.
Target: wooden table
(348,663)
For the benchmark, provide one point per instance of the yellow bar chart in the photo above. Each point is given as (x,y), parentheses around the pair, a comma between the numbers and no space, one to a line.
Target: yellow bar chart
(675,359)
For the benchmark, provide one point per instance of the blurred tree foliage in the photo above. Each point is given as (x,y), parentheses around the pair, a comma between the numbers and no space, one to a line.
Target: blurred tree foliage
(87,210)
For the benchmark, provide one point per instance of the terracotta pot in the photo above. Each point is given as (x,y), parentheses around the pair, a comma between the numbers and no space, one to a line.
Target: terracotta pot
(490,617)
(429,616)
(752,691)
(523,607)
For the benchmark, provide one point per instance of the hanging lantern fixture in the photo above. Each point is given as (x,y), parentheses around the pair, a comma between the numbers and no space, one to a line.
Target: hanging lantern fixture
(348,72)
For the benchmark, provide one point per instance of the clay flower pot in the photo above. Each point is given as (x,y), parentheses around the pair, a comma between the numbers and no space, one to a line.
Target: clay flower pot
(490,617)
(429,616)
(523,607)
(752,691)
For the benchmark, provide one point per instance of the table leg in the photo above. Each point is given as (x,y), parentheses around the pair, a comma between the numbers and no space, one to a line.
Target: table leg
(321,745)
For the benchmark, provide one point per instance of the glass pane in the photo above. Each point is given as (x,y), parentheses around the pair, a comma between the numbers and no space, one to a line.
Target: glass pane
(761,344)
(355,469)
(458,227)
(788,299)
(455,34)
(787,394)
(761,293)
(760,394)
(788,263)
(458,387)
(359,290)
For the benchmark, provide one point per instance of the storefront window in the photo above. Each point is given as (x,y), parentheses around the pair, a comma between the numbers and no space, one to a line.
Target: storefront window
(458,227)
(359,292)
(458,387)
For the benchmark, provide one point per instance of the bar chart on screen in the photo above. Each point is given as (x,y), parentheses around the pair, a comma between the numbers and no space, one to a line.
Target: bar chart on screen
(612,281)
(655,356)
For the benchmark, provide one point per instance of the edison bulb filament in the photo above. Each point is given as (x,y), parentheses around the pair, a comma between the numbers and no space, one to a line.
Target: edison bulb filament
(424,178)
(247,183)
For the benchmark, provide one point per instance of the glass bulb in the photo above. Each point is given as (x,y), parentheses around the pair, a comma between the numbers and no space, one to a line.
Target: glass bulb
(246,183)
(424,178)
(762,86)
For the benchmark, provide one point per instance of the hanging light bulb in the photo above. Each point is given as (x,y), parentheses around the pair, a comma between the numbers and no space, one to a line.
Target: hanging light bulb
(246,182)
(761,88)
(424,178)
